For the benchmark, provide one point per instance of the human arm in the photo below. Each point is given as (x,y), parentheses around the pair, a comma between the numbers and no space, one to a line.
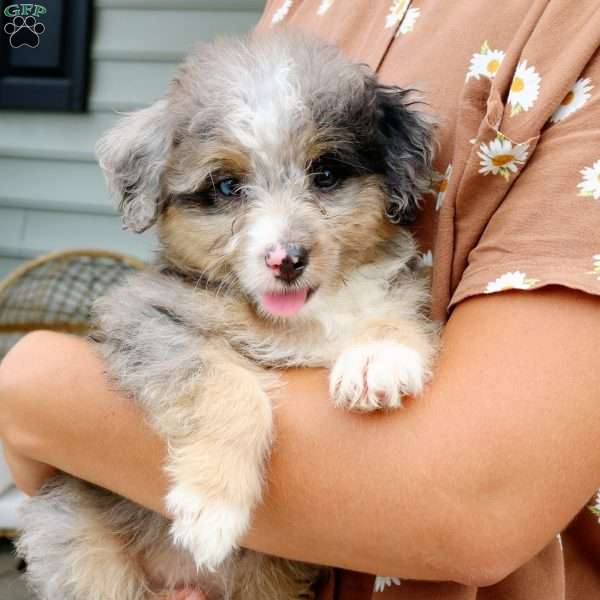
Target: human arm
(466,483)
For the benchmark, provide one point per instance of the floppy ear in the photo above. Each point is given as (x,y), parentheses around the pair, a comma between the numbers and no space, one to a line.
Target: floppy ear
(133,155)
(406,138)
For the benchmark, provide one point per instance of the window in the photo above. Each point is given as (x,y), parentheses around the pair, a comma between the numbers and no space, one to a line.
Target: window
(44,54)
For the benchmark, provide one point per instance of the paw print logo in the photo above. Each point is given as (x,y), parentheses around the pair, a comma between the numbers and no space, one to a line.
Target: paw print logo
(24,31)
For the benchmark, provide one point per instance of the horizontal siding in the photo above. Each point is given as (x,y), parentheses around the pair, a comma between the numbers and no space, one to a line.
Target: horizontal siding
(127,85)
(52,136)
(51,230)
(8,265)
(76,186)
(26,233)
(154,35)
(12,222)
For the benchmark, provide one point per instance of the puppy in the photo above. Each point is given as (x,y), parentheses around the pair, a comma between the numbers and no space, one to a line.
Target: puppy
(279,175)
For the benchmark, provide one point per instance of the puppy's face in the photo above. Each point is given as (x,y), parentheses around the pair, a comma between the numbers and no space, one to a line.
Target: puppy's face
(273,166)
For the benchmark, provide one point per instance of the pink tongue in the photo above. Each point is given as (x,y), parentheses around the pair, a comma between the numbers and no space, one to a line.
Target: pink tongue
(285,304)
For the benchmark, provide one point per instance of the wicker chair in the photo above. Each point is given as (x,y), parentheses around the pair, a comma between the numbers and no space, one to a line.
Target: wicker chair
(56,292)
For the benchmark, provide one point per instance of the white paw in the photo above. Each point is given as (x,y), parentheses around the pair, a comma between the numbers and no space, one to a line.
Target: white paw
(376,375)
(208,528)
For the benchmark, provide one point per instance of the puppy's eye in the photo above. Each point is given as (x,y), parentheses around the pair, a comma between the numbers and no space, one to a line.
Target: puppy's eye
(326,179)
(228,187)
(328,173)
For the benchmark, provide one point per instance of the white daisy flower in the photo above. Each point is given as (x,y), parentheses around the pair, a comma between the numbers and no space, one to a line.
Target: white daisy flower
(382,582)
(525,88)
(485,63)
(590,184)
(502,157)
(408,23)
(397,10)
(442,187)
(576,97)
(595,508)
(282,11)
(324,6)
(425,260)
(510,281)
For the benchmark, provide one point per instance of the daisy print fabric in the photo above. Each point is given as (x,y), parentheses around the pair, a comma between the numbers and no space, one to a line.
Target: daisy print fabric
(502,157)
(511,281)
(485,63)
(575,99)
(442,187)
(425,260)
(595,507)
(596,269)
(409,20)
(397,10)
(383,582)
(524,89)
(589,186)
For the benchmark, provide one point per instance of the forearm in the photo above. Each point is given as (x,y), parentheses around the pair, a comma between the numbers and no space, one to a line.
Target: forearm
(308,513)
(350,490)
(326,500)
(466,483)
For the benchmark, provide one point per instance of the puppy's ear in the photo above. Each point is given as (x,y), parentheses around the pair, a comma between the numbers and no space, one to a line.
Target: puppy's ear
(133,155)
(406,138)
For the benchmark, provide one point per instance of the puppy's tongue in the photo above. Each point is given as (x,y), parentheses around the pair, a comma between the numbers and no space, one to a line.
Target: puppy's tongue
(285,304)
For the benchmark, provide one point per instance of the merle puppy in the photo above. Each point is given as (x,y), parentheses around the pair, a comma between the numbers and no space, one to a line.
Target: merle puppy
(279,175)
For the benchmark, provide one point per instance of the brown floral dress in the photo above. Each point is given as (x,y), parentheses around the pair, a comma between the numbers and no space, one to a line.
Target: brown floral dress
(515,86)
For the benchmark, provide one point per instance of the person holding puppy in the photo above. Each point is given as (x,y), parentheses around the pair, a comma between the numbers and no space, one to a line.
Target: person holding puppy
(476,480)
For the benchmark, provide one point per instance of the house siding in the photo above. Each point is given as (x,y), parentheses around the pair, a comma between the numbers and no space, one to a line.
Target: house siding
(52,193)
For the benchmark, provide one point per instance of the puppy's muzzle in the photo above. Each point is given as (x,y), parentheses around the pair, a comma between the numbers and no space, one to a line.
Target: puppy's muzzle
(287,262)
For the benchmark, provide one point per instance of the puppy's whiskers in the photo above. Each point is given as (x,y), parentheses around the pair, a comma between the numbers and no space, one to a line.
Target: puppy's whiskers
(227,283)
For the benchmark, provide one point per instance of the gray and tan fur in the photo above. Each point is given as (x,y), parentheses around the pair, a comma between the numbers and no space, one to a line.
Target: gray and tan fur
(273,168)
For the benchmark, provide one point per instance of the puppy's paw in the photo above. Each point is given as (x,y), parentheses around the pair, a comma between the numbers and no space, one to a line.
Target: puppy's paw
(376,375)
(208,528)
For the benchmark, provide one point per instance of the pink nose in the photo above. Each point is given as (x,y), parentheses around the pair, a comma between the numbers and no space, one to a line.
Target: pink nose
(275,256)
(287,262)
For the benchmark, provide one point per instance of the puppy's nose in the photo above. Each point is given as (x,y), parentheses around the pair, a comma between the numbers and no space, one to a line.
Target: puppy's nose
(288,262)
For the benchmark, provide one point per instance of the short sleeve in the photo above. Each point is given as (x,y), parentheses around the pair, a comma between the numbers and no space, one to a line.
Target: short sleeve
(546,231)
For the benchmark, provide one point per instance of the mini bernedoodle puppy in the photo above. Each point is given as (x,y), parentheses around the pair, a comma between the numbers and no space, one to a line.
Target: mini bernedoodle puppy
(279,175)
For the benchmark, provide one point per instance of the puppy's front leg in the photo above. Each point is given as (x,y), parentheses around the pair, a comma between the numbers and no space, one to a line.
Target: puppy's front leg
(217,459)
(386,361)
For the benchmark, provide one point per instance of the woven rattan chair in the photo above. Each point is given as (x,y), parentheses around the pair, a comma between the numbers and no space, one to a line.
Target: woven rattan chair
(56,292)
